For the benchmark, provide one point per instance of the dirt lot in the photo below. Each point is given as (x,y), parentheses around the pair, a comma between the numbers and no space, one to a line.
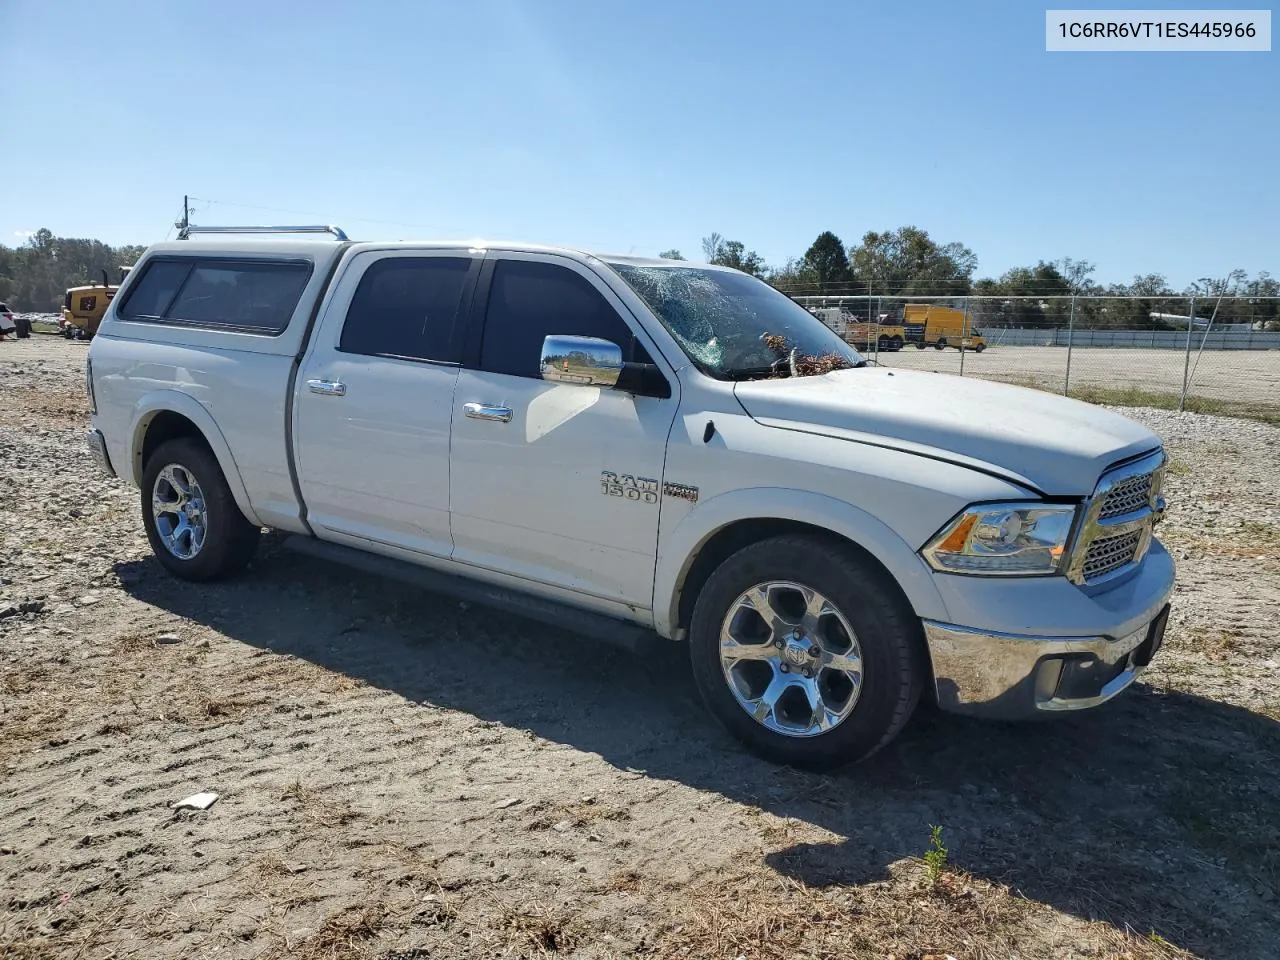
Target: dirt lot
(402,777)
(1246,377)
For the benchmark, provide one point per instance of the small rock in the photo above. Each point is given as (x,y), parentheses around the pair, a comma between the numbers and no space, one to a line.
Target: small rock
(509,802)
(168,638)
(562,826)
(197,801)
(6,851)
(88,600)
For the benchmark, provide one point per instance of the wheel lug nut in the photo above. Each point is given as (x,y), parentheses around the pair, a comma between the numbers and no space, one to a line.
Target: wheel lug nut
(785,668)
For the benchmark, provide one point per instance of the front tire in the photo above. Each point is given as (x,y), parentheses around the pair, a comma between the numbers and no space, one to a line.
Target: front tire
(941,344)
(23,327)
(192,521)
(806,652)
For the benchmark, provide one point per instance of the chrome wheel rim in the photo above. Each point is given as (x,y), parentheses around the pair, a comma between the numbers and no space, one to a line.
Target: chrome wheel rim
(791,659)
(178,508)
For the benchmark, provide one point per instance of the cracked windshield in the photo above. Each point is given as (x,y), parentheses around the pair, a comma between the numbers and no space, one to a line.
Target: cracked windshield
(733,326)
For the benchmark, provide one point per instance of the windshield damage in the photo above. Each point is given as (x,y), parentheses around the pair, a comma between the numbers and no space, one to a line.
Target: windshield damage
(734,327)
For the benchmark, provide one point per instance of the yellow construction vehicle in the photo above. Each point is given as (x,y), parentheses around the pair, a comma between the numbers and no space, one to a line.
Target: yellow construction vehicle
(933,326)
(83,307)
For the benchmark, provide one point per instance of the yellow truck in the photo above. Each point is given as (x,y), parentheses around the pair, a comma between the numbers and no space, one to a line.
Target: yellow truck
(929,325)
(83,307)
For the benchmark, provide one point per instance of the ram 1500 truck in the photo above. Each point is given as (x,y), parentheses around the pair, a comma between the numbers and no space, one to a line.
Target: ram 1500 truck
(629,448)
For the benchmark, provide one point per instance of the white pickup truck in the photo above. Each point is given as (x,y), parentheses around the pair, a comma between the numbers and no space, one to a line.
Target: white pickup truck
(628,447)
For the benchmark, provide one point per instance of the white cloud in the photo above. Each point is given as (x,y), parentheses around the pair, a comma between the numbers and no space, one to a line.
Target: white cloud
(24,233)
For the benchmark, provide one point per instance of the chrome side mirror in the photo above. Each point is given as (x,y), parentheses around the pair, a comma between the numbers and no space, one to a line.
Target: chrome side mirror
(588,361)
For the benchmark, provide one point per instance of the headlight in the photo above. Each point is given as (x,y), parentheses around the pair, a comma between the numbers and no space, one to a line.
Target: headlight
(1004,539)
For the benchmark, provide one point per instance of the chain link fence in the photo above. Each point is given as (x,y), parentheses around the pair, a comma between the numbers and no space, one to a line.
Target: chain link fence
(1210,355)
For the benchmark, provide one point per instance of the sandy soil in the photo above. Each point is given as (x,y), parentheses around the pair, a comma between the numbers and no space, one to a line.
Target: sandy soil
(400,776)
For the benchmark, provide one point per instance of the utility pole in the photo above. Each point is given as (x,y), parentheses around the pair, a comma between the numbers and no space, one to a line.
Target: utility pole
(186,212)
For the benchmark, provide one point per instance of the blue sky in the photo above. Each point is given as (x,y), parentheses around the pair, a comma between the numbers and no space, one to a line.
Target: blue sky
(628,127)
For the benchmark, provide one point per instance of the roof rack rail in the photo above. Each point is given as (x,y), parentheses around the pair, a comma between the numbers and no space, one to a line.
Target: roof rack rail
(191,228)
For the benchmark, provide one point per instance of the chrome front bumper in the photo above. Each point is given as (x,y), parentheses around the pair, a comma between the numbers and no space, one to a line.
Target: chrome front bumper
(1006,676)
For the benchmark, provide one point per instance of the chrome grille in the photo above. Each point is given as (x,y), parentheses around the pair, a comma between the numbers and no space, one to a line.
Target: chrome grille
(1116,530)
(1127,496)
(1111,553)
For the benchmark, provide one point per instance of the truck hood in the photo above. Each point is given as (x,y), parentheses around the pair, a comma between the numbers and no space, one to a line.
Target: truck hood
(1049,443)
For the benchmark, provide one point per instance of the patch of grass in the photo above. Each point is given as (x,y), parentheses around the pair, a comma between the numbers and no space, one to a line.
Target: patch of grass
(1134,396)
(1252,540)
(1137,397)
(347,935)
(21,680)
(1216,645)
(318,808)
(540,929)
(759,914)
(348,928)
(579,814)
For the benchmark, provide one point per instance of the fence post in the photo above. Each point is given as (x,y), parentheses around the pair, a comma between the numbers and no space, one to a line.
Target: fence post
(877,326)
(964,333)
(1071,329)
(1186,365)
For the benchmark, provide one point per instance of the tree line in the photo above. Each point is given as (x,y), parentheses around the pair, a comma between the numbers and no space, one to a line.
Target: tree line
(897,265)
(35,276)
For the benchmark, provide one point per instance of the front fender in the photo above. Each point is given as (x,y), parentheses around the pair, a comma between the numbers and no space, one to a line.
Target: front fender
(151,404)
(678,550)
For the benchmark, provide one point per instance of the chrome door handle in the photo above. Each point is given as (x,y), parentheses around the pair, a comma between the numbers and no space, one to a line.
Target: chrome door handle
(487,411)
(327,388)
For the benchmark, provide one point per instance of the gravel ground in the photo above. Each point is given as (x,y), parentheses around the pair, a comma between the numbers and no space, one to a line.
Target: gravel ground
(1245,377)
(400,776)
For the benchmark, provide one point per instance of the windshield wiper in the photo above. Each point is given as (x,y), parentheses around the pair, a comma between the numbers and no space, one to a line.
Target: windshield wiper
(749,373)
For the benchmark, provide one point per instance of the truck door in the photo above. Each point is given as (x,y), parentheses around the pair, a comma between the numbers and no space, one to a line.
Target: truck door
(374,400)
(556,483)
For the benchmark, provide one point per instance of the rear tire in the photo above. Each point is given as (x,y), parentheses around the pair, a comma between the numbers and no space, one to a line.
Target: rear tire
(895,344)
(941,344)
(23,326)
(201,535)
(858,709)
(979,348)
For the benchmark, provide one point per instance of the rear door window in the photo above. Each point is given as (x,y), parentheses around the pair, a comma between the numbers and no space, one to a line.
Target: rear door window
(255,296)
(409,308)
